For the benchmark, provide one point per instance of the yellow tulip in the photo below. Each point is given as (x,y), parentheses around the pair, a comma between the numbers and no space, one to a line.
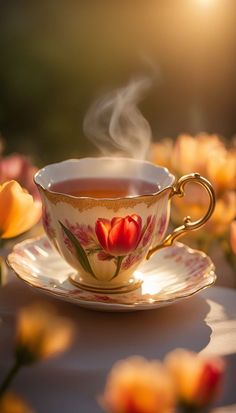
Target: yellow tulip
(140,386)
(18,211)
(197,378)
(10,403)
(41,333)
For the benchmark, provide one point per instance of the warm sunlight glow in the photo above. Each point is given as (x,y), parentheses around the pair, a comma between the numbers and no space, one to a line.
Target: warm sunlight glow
(206,3)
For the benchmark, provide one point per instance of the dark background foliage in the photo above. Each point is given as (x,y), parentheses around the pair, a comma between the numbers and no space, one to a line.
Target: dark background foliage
(57,56)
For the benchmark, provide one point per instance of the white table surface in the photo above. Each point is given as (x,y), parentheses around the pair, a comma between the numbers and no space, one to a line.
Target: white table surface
(71,382)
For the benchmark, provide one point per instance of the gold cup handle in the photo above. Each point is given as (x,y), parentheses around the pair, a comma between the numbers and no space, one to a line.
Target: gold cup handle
(188,224)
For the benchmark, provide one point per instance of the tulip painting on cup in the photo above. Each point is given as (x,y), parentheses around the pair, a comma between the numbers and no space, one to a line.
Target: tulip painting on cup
(122,241)
(107,238)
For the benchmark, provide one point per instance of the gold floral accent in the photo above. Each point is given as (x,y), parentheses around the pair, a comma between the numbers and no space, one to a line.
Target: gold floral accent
(84,204)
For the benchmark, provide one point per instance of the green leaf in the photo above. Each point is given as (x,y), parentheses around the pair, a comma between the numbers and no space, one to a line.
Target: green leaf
(118,266)
(81,254)
(3,272)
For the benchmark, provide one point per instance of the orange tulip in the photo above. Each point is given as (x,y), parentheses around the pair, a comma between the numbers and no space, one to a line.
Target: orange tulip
(140,386)
(41,333)
(191,154)
(208,155)
(18,211)
(10,403)
(195,204)
(221,170)
(203,153)
(197,378)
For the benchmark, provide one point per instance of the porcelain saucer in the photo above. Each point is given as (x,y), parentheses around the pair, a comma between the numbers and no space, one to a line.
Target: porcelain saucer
(172,274)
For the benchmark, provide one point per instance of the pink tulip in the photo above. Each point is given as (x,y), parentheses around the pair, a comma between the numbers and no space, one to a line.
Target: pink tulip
(17,167)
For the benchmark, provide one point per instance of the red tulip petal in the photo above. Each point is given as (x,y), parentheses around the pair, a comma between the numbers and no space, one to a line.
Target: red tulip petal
(115,239)
(133,231)
(209,383)
(102,229)
(115,221)
(124,236)
(138,219)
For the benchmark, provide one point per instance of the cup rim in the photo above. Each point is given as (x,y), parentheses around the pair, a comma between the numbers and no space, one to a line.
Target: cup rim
(133,197)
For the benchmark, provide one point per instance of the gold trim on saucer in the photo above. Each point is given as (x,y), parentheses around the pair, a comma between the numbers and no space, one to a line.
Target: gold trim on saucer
(115,290)
(38,270)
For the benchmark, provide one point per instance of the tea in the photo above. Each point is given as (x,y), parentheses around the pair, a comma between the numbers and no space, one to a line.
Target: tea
(105,187)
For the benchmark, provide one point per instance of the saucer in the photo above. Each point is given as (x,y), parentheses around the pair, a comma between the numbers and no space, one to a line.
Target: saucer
(172,274)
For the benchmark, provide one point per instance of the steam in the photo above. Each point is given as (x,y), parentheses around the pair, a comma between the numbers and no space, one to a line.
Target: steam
(115,124)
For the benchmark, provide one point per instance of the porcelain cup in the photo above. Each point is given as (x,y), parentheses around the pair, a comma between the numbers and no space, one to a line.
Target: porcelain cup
(106,239)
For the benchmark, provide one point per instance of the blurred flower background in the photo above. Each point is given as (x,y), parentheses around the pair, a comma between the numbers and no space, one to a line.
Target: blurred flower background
(41,333)
(185,382)
(58,56)
(215,159)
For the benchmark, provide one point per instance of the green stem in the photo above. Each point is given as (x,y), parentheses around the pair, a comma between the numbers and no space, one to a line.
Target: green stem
(184,408)
(230,259)
(2,242)
(10,376)
(119,262)
(1,275)
(203,243)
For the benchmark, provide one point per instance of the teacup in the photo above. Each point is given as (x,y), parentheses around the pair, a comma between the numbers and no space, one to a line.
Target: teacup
(107,238)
